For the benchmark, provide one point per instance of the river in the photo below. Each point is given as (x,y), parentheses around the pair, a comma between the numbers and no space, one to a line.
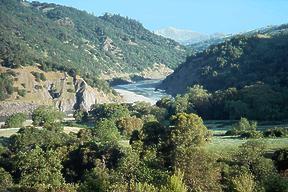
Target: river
(140,91)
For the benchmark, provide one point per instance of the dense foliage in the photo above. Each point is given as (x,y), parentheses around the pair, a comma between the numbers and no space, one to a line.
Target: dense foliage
(166,153)
(63,38)
(15,120)
(6,86)
(245,76)
(45,115)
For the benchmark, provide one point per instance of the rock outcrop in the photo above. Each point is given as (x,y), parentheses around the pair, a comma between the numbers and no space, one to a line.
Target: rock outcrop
(86,96)
(59,89)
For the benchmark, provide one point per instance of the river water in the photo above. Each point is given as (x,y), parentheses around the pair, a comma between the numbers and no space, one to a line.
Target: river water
(141,91)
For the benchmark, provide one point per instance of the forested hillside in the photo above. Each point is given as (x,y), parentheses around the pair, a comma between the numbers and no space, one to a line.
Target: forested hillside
(246,76)
(63,38)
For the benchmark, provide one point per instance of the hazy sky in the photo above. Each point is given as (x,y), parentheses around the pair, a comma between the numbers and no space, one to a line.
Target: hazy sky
(206,16)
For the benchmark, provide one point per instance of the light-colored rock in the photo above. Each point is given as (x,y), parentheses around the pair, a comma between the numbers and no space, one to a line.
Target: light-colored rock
(80,96)
(158,71)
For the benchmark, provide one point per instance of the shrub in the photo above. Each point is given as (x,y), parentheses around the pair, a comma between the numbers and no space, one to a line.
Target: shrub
(6,180)
(39,76)
(243,126)
(251,134)
(46,115)
(6,86)
(42,77)
(127,125)
(106,131)
(276,132)
(244,183)
(16,120)
(22,92)
(38,87)
(70,90)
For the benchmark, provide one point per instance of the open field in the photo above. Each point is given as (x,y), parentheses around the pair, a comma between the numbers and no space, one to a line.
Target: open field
(223,145)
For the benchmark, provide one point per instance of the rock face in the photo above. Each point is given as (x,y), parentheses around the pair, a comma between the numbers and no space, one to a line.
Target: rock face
(85,95)
(64,92)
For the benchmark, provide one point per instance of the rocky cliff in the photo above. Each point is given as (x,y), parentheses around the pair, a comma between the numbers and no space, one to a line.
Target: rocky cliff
(53,88)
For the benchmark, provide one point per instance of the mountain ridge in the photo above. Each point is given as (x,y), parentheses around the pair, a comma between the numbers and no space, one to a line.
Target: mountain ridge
(233,62)
(63,38)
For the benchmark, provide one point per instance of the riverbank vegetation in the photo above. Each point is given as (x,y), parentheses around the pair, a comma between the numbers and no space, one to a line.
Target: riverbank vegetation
(137,147)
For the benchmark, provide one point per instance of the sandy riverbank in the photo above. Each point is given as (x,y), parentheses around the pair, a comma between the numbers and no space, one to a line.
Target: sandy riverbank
(131,97)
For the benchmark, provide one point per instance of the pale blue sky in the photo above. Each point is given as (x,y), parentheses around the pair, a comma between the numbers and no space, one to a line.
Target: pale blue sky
(206,16)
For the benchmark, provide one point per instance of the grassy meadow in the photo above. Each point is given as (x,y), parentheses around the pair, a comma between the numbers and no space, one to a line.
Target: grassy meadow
(224,145)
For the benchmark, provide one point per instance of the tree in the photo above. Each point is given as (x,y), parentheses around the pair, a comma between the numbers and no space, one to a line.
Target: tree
(46,138)
(175,183)
(109,111)
(154,133)
(96,180)
(106,131)
(16,120)
(145,187)
(244,127)
(251,156)
(80,115)
(39,168)
(244,183)
(45,115)
(188,131)
(6,180)
(201,172)
(128,166)
(199,99)
(6,86)
(127,125)
(181,104)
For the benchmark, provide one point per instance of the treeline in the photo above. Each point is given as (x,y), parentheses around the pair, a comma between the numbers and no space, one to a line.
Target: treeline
(132,148)
(259,102)
(242,61)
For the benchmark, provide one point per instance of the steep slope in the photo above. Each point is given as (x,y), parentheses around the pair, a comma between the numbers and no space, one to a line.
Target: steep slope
(63,38)
(33,87)
(244,60)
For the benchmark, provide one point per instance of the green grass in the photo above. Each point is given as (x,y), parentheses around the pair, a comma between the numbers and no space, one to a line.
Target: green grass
(224,145)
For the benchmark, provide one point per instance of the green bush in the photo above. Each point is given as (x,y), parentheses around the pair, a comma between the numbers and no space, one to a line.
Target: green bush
(16,120)
(6,86)
(42,77)
(22,92)
(276,132)
(39,76)
(106,131)
(251,134)
(243,126)
(70,90)
(46,115)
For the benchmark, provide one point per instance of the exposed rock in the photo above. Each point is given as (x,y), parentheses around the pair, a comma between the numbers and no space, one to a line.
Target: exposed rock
(59,89)
(66,105)
(65,22)
(9,108)
(158,71)
(110,47)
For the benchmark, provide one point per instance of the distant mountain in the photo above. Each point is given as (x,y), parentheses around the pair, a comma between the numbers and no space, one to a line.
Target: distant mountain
(187,37)
(57,37)
(181,35)
(213,40)
(256,56)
